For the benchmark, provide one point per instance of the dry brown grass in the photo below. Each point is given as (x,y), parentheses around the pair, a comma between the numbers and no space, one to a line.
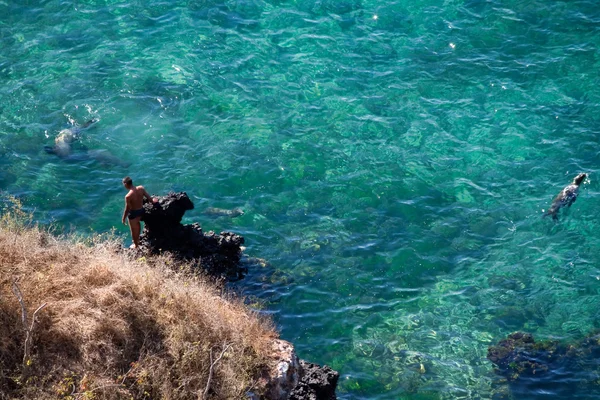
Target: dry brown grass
(117,327)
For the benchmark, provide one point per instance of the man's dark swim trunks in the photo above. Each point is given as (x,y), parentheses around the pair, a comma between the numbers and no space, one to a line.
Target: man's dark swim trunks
(133,214)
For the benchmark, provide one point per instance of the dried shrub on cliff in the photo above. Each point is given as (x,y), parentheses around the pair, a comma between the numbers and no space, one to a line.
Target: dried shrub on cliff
(117,327)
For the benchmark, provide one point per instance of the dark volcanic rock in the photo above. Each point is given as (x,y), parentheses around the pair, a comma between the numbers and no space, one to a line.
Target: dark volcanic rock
(316,383)
(288,378)
(547,369)
(167,213)
(218,254)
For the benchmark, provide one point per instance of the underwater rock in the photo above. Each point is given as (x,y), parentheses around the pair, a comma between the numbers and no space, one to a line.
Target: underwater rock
(547,368)
(218,254)
(223,212)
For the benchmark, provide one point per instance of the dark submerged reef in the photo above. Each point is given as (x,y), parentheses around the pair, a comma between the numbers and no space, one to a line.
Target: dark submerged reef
(546,369)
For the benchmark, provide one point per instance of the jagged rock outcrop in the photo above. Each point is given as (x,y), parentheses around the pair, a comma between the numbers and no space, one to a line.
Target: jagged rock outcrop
(284,373)
(290,378)
(219,254)
(316,383)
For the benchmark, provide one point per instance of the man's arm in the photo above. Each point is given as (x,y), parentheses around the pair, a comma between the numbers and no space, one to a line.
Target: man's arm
(126,211)
(147,195)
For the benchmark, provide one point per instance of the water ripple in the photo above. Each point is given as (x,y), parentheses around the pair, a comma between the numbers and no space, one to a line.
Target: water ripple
(392,160)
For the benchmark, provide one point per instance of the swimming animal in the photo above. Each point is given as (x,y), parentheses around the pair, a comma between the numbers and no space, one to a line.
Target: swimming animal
(566,197)
(62,142)
(63,148)
(222,212)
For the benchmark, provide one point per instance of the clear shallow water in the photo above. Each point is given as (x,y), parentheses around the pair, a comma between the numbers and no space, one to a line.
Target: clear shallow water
(392,169)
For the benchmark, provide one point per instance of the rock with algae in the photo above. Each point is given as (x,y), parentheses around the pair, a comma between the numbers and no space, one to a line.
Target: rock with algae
(546,369)
(219,254)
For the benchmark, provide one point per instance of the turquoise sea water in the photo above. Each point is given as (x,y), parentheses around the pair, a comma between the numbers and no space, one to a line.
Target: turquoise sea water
(392,157)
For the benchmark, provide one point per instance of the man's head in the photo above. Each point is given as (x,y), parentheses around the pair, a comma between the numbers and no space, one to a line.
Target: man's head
(127,182)
(579,178)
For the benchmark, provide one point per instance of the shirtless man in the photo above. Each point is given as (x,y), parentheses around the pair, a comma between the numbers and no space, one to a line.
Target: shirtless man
(134,201)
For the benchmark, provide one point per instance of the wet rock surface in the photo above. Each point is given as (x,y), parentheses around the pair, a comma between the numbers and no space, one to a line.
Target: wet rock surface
(218,254)
(316,383)
(546,369)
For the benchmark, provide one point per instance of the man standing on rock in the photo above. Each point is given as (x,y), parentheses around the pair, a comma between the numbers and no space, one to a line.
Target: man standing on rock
(134,202)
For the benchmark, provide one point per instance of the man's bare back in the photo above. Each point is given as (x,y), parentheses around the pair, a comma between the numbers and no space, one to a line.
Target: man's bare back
(135,197)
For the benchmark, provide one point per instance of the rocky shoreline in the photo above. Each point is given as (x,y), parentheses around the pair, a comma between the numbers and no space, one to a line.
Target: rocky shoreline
(287,377)
(217,254)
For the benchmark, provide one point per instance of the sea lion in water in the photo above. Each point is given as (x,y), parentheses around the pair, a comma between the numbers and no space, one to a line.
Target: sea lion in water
(222,212)
(62,148)
(566,197)
(62,142)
